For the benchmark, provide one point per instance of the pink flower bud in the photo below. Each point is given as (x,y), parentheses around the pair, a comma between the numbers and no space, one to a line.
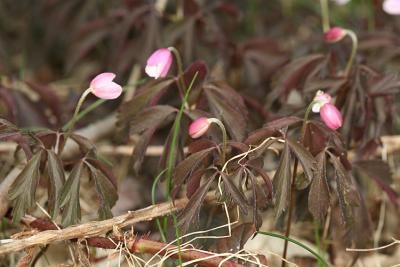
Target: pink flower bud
(159,63)
(334,35)
(103,86)
(331,116)
(199,127)
(391,7)
(320,99)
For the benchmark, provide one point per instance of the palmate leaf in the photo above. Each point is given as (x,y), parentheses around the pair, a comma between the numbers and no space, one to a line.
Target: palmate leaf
(227,105)
(272,129)
(347,194)
(69,197)
(186,167)
(190,214)
(146,122)
(231,191)
(305,158)
(281,182)
(150,117)
(56,181)
(144,96)
(318,197)
(22,191)
(106,190)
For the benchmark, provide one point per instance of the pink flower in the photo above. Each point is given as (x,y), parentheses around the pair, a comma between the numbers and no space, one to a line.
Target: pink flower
(334,35)
(199,127)
(103,86)
(159,63)
(331,116)
(391,7)
(320,99)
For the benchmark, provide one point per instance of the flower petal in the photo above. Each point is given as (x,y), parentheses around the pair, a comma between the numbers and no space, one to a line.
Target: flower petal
(109,90)
(391,7)
(101,79)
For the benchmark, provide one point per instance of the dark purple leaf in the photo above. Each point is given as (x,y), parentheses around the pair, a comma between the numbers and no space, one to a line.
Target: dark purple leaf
(271,129)
(106,191)
(305,158)
(318,197)
(189,216)
(56,181)
(282,183)
(231,191)
(69,197)
(150,117)
(228,105)
(22,191)
(186,167)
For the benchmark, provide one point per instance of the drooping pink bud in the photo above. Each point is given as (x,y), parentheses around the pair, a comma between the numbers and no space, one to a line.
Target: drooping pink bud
(392,7)
(319,100)
(103,86)
(331,116)
(159,63)
(199,127)
(334,35)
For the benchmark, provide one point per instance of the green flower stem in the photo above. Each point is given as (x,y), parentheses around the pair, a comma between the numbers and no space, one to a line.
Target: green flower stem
(96,104)
(224,138)
(293,185)
(325,15)
(73,120)
(320,259)
(353,37)
(181,81)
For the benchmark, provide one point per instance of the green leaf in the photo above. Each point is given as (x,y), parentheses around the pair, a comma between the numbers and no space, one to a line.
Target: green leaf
(281,182)
(318,197)
(106,190)
(69,197)
(22,191)
(56,181)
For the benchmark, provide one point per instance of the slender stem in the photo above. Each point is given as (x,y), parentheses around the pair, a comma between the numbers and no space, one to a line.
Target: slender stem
(153,201)
(78,107)
(353,37)
(325,15)
(371,15)
(74,117)
(96,104)
(293,185)
(224,138)
(319,258)
(181,80)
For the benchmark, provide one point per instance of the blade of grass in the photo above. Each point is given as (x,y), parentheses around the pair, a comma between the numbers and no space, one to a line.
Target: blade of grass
(320,259)
(171,159)
(153,201)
